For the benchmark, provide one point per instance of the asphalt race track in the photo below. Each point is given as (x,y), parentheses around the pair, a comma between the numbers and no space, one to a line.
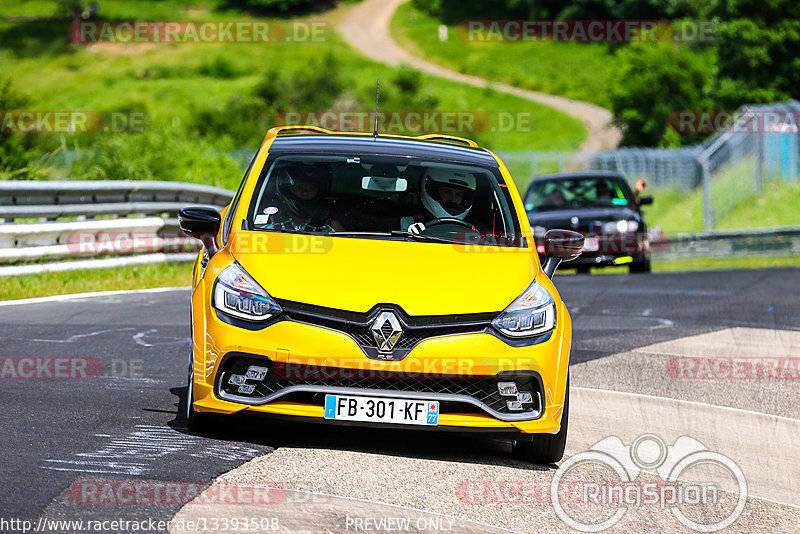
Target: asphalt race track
(94,404)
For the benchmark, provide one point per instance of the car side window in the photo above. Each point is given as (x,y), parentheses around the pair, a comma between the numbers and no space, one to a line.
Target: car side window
(226,226)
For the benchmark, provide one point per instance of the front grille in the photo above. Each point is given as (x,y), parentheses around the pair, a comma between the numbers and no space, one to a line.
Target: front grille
(281,376)
(415,328)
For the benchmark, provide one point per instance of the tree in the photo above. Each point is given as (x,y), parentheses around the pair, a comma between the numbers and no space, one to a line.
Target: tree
(654,81)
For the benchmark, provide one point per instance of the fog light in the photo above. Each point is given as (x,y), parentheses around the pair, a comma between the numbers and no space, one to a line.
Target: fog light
(514,405)
(255,372)
(525,397)
(507,389)
(236,380)
(247,389)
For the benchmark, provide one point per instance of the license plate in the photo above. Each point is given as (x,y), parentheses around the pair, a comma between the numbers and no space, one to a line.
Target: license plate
(591,244)
(382,410)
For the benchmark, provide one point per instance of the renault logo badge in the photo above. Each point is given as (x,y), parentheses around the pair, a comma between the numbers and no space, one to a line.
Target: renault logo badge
(386,331)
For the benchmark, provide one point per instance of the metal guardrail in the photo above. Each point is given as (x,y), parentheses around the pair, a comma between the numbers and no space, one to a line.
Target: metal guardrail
(133,222)
(778,241)
(143,227)
(52,200)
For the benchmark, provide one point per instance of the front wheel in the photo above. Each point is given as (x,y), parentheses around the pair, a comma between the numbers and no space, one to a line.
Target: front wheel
(640,266)
(195,421)
(545,448)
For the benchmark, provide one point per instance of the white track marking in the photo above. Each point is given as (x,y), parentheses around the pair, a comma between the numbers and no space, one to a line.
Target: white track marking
(139,339)
(696,403)
(95,294)
(135,452)
(76,337)
(764,446)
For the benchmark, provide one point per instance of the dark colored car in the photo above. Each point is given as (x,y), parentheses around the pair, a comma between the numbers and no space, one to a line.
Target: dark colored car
(601,206)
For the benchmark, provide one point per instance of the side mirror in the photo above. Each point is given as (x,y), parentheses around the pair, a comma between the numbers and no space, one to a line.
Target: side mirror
(201,223)
(645,201)
(560,245)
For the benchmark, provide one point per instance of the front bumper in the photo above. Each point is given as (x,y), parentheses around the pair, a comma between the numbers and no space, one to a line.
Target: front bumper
(473,358)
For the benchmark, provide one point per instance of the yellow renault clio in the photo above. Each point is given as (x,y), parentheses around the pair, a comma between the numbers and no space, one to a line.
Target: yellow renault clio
(382,281)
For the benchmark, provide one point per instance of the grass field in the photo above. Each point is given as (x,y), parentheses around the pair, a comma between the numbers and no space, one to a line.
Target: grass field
(80,281)
(681,211)
(539,65)
(178,85)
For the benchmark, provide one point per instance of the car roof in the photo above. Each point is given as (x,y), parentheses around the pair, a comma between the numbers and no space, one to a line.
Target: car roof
(580,174)
(383,146)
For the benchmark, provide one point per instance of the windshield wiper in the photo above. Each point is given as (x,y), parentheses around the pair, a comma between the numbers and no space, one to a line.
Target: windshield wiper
(419,237)
(394,234)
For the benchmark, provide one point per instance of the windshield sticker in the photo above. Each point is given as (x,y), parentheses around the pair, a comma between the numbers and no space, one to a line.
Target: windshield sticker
(262,219)
(272,210)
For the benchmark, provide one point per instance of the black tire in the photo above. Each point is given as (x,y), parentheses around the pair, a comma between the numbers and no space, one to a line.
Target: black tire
(640,266)
(195,421)
(545,448)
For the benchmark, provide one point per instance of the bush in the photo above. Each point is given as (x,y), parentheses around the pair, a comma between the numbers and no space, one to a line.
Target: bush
(244,119)
(157,154)
(281,7)
(18,156)
(454,11)
(408,82)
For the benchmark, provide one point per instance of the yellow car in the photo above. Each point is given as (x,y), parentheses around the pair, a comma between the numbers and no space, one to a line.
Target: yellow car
(383,281)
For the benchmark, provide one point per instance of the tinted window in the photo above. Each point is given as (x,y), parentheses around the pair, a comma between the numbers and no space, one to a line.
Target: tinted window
(577,192)
(341,195)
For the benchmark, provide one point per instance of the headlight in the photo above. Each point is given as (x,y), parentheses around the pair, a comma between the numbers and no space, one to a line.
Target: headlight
(620,227)
(238,295)
(531,314)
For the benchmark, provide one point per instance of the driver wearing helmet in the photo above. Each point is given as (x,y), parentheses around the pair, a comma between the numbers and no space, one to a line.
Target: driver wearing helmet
(445,194)
(300,200)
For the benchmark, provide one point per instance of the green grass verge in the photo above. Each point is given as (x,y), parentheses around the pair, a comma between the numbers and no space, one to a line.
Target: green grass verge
(180,275)
(716,264)
(535,65)
(60,283)
(681,211)
(703,264)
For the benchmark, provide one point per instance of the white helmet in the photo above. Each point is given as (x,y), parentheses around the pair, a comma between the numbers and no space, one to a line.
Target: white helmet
(434,179)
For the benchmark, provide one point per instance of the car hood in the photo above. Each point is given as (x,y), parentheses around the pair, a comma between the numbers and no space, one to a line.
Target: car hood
(355,274)
(563,218)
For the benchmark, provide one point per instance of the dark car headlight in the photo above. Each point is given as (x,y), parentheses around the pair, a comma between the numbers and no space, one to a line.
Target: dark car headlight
(620,227)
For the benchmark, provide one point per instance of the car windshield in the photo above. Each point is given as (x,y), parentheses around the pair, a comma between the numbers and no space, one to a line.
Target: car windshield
(575,193)
(385,197)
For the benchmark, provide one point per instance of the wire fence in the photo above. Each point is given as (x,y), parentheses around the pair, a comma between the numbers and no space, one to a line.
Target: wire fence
(754,155)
